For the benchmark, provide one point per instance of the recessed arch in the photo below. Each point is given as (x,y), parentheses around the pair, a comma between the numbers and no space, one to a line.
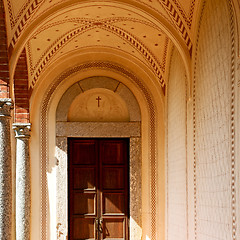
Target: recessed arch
(149,141)
(98,129)
(80,92)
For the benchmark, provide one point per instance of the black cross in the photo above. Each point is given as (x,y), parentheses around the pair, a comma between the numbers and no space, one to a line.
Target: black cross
(98,99)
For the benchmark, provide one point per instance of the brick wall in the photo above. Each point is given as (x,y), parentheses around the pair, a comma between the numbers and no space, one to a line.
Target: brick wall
(212,123)
(176,152)
(21,90)
(4,70)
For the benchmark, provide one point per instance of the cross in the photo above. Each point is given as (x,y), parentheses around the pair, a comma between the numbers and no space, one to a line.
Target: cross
(98,99)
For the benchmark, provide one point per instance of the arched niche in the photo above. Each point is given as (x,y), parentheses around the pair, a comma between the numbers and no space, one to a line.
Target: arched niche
(80,99)
(98,105)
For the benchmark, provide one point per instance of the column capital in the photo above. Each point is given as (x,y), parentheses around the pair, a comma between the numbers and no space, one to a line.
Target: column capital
(22,130)
(6,105)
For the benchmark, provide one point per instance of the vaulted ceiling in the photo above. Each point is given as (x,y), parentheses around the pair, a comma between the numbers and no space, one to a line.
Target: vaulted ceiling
(43,31)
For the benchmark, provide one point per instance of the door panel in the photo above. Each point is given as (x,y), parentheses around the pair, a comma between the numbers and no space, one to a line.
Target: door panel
(113,178)
(113,229)
(84,178)
(113,203)
(84,203)
(83,229)
(83,173)
(113,152)
(98,189)
(85,152)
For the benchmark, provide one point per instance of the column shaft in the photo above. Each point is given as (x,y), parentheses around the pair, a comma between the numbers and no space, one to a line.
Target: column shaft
(23,188)
(5,171)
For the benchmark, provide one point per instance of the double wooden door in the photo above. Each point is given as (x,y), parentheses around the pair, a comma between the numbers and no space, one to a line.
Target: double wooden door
(98,189)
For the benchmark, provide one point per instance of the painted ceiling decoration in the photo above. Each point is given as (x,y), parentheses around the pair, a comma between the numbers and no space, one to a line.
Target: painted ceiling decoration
(118,25)
(98,32)
(178,21)
(179,13)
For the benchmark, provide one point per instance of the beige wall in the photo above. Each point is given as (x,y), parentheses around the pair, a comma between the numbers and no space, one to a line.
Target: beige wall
(202,167)
(176,153)
(212,123)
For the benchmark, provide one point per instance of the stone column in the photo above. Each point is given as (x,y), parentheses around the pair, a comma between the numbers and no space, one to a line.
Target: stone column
(5,170)
(23,188)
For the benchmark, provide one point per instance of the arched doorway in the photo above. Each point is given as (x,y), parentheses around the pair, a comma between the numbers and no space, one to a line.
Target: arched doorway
(148,142)
(81,115)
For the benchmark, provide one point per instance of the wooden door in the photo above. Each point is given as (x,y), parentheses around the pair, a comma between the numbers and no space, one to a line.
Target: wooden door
(98,189)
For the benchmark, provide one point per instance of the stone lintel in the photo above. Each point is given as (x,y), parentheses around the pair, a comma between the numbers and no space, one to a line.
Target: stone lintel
(98,129)
(6,105)
(22,130)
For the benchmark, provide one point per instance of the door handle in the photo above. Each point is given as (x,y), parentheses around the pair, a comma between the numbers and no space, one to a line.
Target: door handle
(99,224)
(96,222)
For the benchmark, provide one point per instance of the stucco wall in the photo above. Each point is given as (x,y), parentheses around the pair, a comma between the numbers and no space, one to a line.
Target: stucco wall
(202,133)
(176,152)
(212,104)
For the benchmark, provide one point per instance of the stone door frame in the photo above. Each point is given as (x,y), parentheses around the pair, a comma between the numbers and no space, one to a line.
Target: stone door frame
(78,130)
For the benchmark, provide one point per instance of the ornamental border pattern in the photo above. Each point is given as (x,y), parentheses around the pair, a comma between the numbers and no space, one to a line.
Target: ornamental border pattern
(10,11)
(194,124)
(188,20)
(44,140)
(172,12)
(23,21)
(233,161)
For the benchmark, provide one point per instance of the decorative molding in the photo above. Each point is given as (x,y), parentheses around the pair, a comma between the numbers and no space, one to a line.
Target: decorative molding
(233,161)
(167,5)
(35,4)
(6,105)
(13,19)
(152,139)
(188,20)
(22,130)
(178,22)
(191,13)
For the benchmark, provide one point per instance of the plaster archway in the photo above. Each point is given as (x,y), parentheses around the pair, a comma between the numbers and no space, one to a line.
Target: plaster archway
(152,141)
